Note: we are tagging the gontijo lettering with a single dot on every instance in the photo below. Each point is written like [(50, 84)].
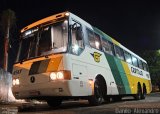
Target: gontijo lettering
[(137, 71)]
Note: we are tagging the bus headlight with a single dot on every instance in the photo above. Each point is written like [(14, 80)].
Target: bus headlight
[(53, 76), (16, 81), (60, 75)]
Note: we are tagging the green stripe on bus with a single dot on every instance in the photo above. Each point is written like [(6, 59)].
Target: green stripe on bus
[(105, 36), (116, 68), (123, 76), (116, 74)]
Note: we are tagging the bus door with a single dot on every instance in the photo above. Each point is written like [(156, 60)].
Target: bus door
[(79, 67)]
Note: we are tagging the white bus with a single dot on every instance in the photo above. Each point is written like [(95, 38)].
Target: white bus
[(62, 57)]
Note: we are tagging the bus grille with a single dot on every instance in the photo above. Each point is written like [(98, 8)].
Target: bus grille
[(39, 67)]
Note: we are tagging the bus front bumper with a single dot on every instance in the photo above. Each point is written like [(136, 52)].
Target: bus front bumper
[(40, 90)]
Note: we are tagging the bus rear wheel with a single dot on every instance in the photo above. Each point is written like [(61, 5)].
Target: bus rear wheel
[(138, 96), (144, 93), (54, 102), (98, 96), (116, 98)]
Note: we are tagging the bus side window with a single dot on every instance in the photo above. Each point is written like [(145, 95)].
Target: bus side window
[(77, 38), (134, 61), (127, 57), (107, 47), (94, 40), (140, 64), (97, 41), (119, 52), (145, 66)]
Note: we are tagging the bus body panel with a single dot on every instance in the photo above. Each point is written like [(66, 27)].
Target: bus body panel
[(121, 78)]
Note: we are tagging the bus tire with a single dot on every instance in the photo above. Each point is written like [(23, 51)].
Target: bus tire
[(54, 102), (98, 96), (144, 92), (116, 98), (138, 96)]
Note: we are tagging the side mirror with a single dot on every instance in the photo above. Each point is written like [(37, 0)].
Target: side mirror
[(79, 34)]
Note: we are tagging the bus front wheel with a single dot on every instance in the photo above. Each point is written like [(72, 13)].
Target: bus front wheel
[(144, 92), (54, 102), (98, 96)]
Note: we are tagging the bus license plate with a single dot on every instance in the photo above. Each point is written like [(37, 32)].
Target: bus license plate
[(34, 93)]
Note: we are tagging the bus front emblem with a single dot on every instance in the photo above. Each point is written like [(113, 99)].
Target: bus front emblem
[(32, 79)]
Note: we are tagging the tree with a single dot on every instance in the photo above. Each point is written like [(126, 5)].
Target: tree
[(153, 59), (8, 20)]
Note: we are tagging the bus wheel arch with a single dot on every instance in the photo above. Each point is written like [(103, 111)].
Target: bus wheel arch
[(100, 91), (103, 81)]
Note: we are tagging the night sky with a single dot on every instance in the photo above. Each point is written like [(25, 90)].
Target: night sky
[(134, 23)]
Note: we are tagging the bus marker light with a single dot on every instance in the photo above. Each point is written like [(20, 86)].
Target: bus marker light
[(67, 14), (90, 82)]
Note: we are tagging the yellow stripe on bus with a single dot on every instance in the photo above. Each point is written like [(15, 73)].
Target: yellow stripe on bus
[(115, 42), (133, 80)]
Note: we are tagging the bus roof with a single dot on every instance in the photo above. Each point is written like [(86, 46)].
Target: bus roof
[(45, 20), (105, 36), (66, 13)]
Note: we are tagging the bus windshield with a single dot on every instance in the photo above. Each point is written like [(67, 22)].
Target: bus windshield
[(44, 40)]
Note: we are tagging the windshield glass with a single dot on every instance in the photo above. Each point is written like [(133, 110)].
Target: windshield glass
[(43, 41)]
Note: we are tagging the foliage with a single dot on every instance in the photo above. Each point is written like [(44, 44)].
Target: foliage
[(153, 59), (8, 19)]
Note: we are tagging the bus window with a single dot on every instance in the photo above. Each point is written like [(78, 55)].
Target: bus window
[(134, 61), (145, 67), (140, 64), (127, 57), (107, 47), (45, 40), (77, 40), (94, 40), (119, 52), (97, 41)]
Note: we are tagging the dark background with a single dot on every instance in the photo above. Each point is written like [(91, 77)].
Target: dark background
[(134, 23)]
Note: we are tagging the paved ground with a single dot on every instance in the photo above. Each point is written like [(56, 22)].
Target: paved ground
[(127, 106)]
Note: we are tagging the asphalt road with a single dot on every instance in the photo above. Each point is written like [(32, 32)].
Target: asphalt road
[(151, 105)]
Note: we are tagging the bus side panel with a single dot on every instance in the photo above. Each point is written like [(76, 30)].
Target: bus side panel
[(118, 74), (84, 67), (133, 79)]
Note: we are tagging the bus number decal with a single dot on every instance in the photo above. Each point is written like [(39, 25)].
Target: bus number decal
[(96, 56)]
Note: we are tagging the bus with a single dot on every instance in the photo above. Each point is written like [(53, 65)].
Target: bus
[(63, 57)]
